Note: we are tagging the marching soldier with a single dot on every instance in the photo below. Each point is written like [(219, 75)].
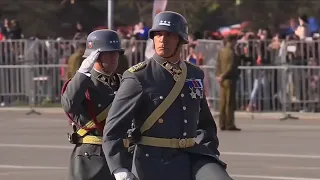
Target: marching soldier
[(175, 133), (227, 73), (86, 99)]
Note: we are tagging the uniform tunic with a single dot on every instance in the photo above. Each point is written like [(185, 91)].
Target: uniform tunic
[(87, 161), (143, 90)]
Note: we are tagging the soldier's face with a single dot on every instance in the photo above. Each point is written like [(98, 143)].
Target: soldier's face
[(165, 43), (109, 61)]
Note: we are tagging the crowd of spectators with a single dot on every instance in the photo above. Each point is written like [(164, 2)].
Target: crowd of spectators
[(260, 48)]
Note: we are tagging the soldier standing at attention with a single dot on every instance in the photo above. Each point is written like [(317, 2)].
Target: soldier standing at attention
[(227, 73), (75, 60), (86, 99), (175, 133)]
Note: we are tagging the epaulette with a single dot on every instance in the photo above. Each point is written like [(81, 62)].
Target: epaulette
[(137, 67)]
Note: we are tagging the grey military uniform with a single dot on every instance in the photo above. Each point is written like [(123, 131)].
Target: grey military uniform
[(87, 161), (138, 96)]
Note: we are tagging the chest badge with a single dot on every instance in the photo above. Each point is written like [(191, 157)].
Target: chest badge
[(196, 88), (193, 94)]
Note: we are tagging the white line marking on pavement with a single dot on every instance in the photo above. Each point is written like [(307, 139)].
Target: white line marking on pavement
[(36, 146), (298, 156), (277, 126), (294, 168), (5, 166), (271, 155), (271, 177)]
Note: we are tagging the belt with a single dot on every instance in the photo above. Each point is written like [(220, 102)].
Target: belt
[(167, 143), (97, 140), (90, 140)]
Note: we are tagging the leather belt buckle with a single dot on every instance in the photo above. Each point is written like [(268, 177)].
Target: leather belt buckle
[(182, 143)]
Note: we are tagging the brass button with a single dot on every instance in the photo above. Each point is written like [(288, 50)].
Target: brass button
[(160, 120), (182, 143)]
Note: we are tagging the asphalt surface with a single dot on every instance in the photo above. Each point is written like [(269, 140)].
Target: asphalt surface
[(34, 147)]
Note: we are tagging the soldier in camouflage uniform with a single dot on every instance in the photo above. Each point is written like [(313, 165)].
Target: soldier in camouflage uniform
[(175, 133), (86, 99)]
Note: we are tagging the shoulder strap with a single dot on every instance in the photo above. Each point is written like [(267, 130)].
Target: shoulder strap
[(91, 124), (166, 103), (95, 119)]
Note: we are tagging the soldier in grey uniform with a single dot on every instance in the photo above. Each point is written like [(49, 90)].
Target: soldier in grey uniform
[(175, 133), (86, 99)]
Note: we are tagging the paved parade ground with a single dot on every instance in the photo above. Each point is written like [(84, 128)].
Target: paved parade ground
[(35, 147)]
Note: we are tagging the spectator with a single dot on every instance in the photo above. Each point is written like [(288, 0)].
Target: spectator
[(192, 57), (303, 29), (141, 31), (15, 30), (2, 37), (6, 28), (80, 33)]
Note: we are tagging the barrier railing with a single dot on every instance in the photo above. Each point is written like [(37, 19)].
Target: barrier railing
[(32, 73), (259, 88), (30, 85), (271, 88), (17, 52)]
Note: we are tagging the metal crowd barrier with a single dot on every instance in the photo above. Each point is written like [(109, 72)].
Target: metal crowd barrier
[(267, 88), (30, 85), (32, 72), (18, 52), (284, 89)]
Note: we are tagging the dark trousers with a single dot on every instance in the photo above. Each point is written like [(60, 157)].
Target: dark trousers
[(205, 168), (186, 166)]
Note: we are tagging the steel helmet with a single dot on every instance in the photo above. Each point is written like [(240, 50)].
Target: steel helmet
[(104, 40), (171, 22)]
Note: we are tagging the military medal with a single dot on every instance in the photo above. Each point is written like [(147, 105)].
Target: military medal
[(176, 77), (168, 66), (199, 93), (193, 94)]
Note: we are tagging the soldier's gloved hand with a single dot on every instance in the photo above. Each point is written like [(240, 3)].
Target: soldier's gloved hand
[(88, 63), (124, 174)]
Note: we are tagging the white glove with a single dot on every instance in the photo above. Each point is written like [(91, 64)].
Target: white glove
[(88, 63), (123, 174)]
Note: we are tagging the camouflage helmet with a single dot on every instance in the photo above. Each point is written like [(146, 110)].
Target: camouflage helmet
[(105, 40), (171, 22)]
